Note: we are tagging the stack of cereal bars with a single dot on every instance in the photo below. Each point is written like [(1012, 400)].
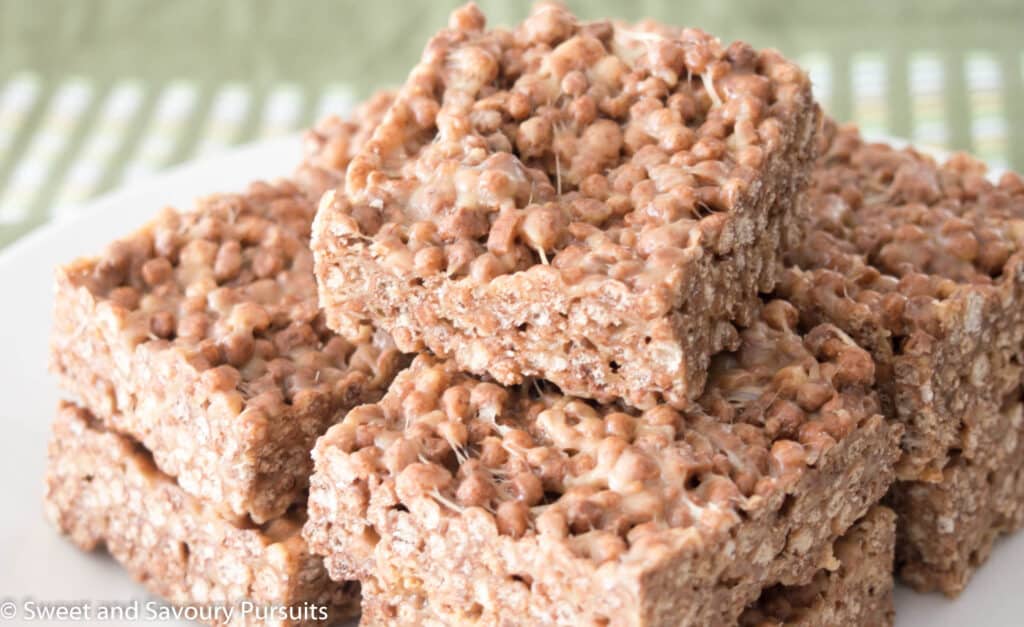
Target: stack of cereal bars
[(204, 373), (595, 323)]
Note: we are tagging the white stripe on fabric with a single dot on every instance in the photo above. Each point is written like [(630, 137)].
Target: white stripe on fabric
[(16, 101), (335, 99), (820, 71), (985, 98), (33, 171), (101, 145), (281, 110), (927, 102), (868, 77), (174, 109), (223, 128)]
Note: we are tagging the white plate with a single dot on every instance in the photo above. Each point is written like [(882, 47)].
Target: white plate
[(38, 564)]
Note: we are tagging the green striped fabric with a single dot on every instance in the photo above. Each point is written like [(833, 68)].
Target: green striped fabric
[(64, 143), (132, 103)]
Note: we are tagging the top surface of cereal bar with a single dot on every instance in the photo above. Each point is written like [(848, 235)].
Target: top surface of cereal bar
[(230, 286), (909, 232), (613, 480), (595, 148), (328, 146), (230, 281), (922, 264)]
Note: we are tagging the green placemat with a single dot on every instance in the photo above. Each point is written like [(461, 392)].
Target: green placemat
[(94, 93)]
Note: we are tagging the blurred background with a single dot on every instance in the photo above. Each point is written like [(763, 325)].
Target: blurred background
[(96, 93)]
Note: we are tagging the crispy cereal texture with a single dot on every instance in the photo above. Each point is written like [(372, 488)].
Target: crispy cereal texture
[(947, 528), (486, 502), (923, 265), (594, 204), (328, 146), (200, 335), (102, 489), (857, 591)]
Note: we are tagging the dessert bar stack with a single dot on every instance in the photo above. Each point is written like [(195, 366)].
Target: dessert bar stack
[(571, 224), (588, 323), (923, 265), (676, 517), (594, 204), (203, 374)]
